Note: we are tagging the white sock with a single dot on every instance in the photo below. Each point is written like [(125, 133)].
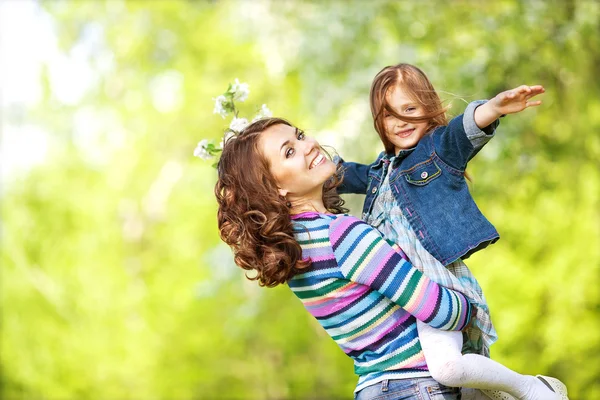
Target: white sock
[(449, 367)]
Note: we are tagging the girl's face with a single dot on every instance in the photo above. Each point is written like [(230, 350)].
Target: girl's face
[(296, 162), (403, 135)]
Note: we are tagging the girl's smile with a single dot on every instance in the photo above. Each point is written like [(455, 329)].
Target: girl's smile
[(405, 133)]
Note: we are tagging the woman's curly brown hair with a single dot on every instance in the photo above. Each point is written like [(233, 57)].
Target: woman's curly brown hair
[(253, 218)]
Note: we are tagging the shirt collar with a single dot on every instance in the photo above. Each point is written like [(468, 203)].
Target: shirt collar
[(395, 159)]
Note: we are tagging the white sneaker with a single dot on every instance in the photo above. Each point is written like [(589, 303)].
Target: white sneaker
[(497, 395), (555, 385)]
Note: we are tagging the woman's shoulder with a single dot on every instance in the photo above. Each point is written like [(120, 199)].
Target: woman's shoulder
[(342, 224), (314, 218), (315, 215)]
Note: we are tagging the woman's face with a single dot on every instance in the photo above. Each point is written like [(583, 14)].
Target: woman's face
[(296, 162)]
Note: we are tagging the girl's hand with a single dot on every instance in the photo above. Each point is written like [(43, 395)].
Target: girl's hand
[(516, 100)]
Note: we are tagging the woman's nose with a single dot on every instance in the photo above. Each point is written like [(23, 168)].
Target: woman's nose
[(310, 145)]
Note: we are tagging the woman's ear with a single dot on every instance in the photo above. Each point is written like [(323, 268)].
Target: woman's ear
[(282, 192)]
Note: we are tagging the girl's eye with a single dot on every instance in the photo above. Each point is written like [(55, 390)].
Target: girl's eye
[(410, 109), (300, 135), (289, 152)]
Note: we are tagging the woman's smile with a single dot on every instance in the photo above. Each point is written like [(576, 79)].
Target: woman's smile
[(318, 160)]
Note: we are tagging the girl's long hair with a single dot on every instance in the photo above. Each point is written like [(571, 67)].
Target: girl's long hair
[(253, 219), (416, 84)]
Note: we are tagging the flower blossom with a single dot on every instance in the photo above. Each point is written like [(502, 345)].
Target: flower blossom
[(202, 150), (239, 90), (219, 108), (238, 124), (264, 112)]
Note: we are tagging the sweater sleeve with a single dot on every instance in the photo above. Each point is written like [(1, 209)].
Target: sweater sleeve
[(365, 257)]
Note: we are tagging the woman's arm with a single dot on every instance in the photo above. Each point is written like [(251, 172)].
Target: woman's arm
[(365, 257)]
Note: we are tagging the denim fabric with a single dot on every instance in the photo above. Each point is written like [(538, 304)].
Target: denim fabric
[(405, 389), (429, 185)]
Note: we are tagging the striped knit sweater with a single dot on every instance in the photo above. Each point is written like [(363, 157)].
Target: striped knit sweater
[(366, 295)]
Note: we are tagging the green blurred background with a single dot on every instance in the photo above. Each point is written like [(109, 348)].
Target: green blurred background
[(114, 282)]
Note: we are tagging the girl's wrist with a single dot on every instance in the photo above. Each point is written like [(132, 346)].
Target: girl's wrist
[(496, 109), (486, 113)]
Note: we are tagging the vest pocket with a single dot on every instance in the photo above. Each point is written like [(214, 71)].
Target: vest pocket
[(423, 174)]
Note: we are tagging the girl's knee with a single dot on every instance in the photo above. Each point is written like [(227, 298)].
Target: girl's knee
[(448, 373)]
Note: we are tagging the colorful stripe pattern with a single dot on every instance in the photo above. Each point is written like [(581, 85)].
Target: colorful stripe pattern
[(367, 295)]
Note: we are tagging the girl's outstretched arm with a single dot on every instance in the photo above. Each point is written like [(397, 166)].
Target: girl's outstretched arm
[(508, 102)]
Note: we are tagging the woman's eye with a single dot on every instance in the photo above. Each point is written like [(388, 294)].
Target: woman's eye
[(301, 135), (289, 152)]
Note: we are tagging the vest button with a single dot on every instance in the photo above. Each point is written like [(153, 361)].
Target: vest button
[(374, 190), (424, 174)]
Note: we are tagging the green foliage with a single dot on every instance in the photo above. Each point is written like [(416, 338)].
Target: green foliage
[(114, 281)]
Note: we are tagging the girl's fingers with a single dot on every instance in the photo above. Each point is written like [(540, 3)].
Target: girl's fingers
[(538, 88), (533, 103), (522, 93), (534, 92)]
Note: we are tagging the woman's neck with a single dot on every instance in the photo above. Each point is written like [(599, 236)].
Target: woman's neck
[(300, 206)]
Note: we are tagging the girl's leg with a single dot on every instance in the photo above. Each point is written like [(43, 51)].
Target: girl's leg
[(449, 367)]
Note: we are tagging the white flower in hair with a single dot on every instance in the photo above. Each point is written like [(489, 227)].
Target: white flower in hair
[(229, 135), (239, 90), (238, 124), (264, 112), (202, 150), (219, 106), (225, 105)]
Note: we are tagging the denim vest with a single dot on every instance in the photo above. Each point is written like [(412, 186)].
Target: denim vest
[(428, 183)]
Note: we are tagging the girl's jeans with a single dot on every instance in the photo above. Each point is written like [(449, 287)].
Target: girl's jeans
[(408, 389)]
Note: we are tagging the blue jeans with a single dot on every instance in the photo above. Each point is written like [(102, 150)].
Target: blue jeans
[(408, 389)]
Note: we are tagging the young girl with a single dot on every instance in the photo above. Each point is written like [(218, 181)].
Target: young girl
[(417, 197)]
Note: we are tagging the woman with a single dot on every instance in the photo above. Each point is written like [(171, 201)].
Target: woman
[(280, 213)]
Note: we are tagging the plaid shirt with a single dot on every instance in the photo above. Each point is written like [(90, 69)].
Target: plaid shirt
[(387, 217)]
